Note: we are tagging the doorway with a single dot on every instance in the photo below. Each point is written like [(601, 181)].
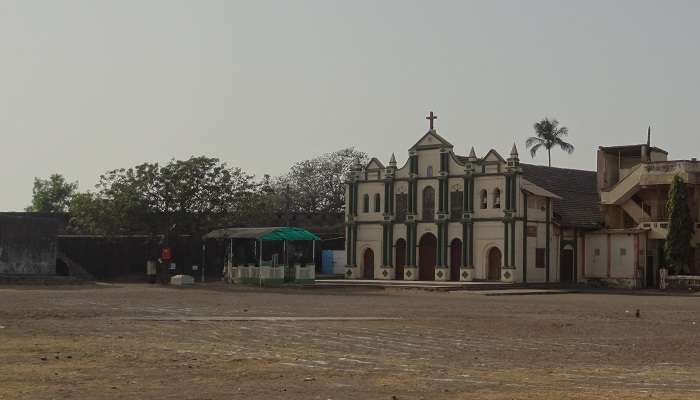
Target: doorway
[(494, 264), (427, 252), (368, 264), (400, 258), (455, 259), (566, 266)]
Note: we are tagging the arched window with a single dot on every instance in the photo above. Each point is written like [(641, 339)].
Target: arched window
[(377, 203), (365, 203), (429, 172), (484, 199), (496, 198), (428, 203)]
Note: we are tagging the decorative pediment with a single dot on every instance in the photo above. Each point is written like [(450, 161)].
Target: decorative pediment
[(431, 140), (493, 156), (374, 163)]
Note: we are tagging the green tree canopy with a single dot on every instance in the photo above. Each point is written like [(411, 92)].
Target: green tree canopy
[(52, 195), (318, 185), (190, 195), (548, 134), (195, 195), (680, 227)]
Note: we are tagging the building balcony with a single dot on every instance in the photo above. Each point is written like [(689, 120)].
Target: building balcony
[(650, 174), (658, 228)]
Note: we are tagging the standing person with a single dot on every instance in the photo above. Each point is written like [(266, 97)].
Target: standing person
[(151, 271), (166, 256)]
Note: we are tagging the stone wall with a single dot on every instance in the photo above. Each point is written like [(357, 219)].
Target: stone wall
[(28, 243)]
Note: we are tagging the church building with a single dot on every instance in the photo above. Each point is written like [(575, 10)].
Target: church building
[(443, 216)]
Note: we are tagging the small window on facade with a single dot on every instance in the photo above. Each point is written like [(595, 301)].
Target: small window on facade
[(532, 231), (596, 252), (428, 203), (484, 198), (429, 172), (456, 199), (365, 203), (539, 258), (623, 252), (377, 203), (401, 206), (496, 198)]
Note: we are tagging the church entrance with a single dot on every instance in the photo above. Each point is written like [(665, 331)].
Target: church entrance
[(566, 266), (455, 259), (400, 252), (427, 252), (494, 264), (368, 264)]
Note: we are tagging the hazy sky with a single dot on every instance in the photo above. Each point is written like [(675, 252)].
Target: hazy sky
[(88, 86)]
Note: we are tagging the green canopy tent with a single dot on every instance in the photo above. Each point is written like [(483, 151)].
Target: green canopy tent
[(260, 235), (275, 233)]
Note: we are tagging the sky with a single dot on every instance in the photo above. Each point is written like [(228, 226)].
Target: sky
[(90, 86)]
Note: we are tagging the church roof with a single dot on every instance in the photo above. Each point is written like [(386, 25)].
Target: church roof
[(579, 203), (536, 190)]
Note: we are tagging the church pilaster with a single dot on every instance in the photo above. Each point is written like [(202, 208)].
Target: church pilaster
[(512, 167)]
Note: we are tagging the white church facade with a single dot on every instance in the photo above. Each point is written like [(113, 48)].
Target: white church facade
[(445, 217)]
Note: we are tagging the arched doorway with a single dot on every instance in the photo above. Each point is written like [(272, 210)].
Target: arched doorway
[(494, 264), (368, 264), (455, 259), (566, 265), (400, 262), (427, 251)]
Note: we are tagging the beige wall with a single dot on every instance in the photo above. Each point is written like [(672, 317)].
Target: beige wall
[(614, 255), (370, 188)]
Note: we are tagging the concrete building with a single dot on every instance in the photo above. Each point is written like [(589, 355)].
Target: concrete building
[(634, 182), (443, 216)]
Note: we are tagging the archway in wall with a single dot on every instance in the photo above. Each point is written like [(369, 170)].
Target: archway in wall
[(427, 257), (400, 261), (494, 264), (368, 264), (455, 259)]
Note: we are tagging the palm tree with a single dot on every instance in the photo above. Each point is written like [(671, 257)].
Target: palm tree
[(549, 135)]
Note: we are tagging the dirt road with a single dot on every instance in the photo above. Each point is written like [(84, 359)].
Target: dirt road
[(139, 341)]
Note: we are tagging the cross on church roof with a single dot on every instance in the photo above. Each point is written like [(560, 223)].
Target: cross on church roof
[(431, 117)]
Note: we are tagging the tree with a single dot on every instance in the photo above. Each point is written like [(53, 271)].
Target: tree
[(52, 195), (317, 185), (191, 195), (548, 135), (680, 227)]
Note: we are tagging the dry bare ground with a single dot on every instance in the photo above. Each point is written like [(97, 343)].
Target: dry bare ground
[(97, 342)]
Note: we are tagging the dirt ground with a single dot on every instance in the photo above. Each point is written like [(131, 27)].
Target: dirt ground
[(97, 342)]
